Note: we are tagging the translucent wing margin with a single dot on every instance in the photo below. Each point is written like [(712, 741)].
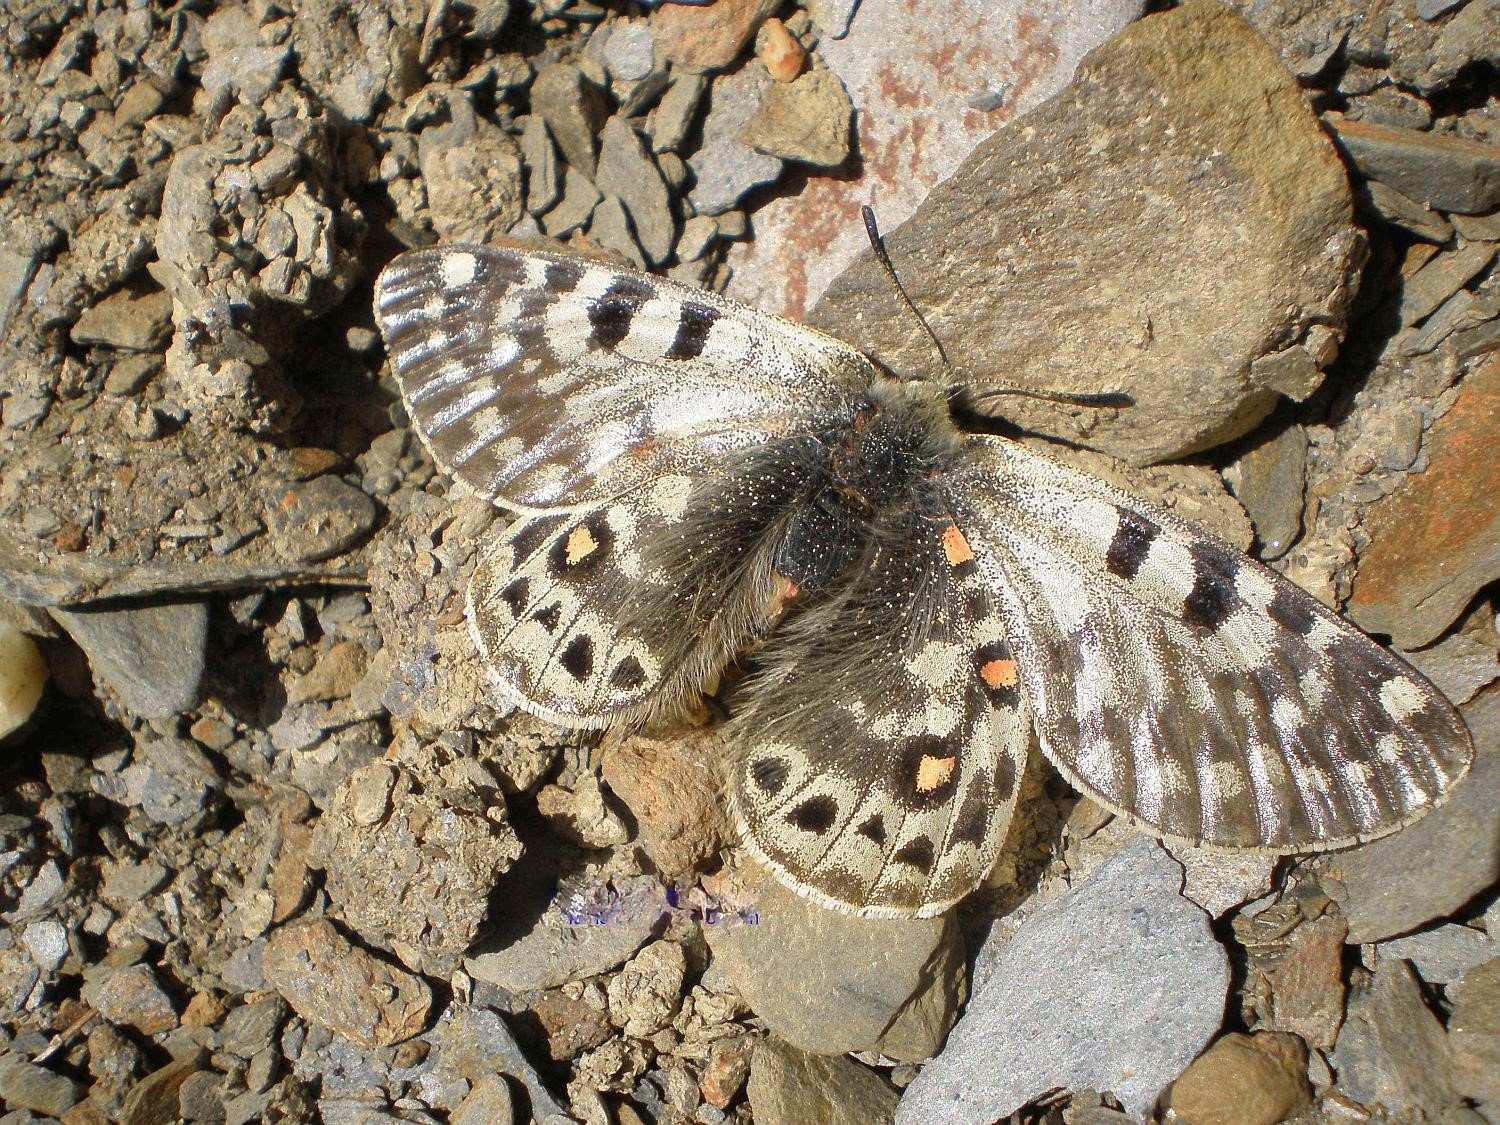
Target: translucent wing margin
[(1178, 681), (546, 381)]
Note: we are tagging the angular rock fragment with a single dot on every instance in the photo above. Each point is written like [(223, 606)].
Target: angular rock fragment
[(1162, 253), (1123, 947)]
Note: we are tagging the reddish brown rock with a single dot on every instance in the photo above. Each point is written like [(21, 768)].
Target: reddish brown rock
[(707, 36), (573, 1026), (1307, 988), (133, 997), (1435, 541), (728, 1067), (671, 787), (331, 983)]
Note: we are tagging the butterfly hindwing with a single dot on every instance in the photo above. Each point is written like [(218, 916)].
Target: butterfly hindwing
[(548, 380), (879, 747), (1178, 681)]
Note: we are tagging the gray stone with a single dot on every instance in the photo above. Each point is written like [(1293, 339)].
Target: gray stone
[(611, 228), (47, 942), (555, 951), (472, 172), (1434, 867), (915, 126), (629, 49), (789, 1087), (319, 519), (251, 72), (1446, 172), (45, 888), (543, 181), (829, 982), (1440, 278), (475, 1042), (1120, 270), (1404, 212), (669, 122), (24, 1085), (150, 656), (17, 266), (724, 167), (832, 16), (574, 111), (1474, 1033), (627, 172), (1392, 1050), (1219, 881), (1461, 664), (806, 120), (1442, 955), (580, 197), (1114, 987), (200, 1098), (1269, 480)]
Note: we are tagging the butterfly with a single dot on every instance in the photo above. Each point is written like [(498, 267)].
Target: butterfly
[(697, 483)]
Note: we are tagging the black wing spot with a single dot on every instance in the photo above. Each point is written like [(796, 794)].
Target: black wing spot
[(549, 617), (1130, 545), (973, 819), (610, 315), (769, 774), (873, 829), (918, 853), (563, 277), (1212, 600), (531, 535), (815, 815), (516, 596), (693, 324), (1291, 610), (577, 657), (530, 325), (1005, 779), (628, 674)]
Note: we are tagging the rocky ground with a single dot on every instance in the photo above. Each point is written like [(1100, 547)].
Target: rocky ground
[(268, 849)]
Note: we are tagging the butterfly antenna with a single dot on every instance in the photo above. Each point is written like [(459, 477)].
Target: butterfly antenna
[(1102, 398), (877, 244)]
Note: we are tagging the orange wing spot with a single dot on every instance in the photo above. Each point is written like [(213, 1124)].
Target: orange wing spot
[(999, 673), (581, 544), (934, 772), (786, 590), (643, 448), (955, 546)]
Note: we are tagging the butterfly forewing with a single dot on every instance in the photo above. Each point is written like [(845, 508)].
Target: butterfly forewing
[(1178, 681), (547, 380)]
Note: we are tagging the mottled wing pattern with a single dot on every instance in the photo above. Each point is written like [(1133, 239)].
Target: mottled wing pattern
[(1178, 681), (879, 748), (547, 605), (547, 381)]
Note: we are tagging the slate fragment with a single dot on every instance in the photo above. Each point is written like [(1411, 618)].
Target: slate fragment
[(151, 655), (1123, 947), (830, 982)]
